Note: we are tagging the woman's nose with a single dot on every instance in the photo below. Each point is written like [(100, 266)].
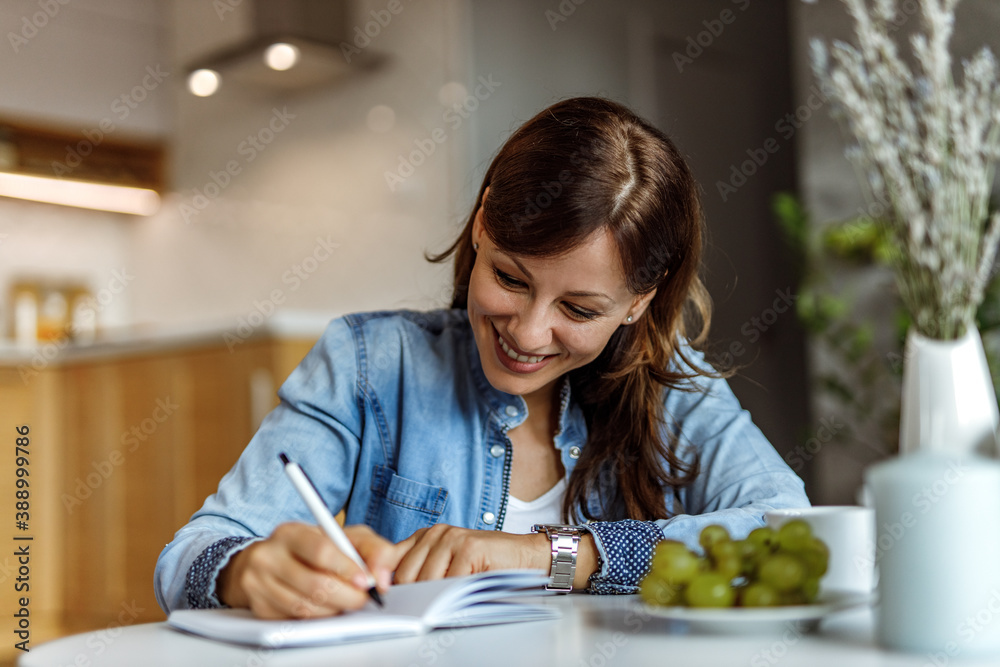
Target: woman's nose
[(530, 329)]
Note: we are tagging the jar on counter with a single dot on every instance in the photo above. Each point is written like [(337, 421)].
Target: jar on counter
[(53, 315), (82, 315), (24, 313)]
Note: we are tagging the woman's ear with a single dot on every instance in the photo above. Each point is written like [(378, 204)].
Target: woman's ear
[(640, 304), (478, 229)]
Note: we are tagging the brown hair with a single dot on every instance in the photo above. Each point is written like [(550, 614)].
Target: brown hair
[(582, 165)]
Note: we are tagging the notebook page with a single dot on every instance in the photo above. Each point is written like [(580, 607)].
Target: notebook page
[(410, 609), (469, 602), (436, 600), (238, 626)]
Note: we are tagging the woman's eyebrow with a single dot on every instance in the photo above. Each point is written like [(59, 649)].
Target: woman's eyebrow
[(577, 293)]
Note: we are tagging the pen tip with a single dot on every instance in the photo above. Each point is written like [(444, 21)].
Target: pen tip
[(284, 459), (373, 592)]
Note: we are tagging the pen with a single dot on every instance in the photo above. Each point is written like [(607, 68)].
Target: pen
[(310, 494)]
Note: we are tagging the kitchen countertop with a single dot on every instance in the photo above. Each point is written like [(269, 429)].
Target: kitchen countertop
[(146, 339)]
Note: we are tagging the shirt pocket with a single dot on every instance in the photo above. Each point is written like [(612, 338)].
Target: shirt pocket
[(401, 506)]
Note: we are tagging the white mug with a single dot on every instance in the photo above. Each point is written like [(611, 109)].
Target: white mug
[(849, 533), (939, 553)]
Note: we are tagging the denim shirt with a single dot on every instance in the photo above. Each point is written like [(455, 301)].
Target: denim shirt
[(392, 416)]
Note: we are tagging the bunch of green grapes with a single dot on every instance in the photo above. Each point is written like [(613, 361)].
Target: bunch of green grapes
[(769, 568)]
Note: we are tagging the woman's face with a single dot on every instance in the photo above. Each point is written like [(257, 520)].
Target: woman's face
[(535, 319)]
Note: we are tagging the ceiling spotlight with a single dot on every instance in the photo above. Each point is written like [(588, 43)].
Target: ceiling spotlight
[(204, 82), (281, 56)]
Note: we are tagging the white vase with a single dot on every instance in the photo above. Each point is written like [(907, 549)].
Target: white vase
[(948, 400)]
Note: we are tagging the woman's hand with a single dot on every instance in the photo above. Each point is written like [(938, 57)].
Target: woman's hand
[(298, 572), (449, 551)]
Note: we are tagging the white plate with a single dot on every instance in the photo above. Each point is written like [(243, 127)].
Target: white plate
[(742, 620)]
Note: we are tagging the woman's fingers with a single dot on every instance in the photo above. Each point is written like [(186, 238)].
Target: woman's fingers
[(380, 555), (429, 553), (463, 563), (273, 598), (296, 573), (403, 565), (320, 590), (405, 545), (451, 551), (312, 546), (414, 550), (440, 552)]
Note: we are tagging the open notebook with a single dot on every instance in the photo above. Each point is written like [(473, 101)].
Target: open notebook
[(410, 609)]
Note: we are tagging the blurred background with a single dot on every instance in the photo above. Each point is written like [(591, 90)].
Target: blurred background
[(143, 347)]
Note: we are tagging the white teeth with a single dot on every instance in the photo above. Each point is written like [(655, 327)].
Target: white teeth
[(515, 356)]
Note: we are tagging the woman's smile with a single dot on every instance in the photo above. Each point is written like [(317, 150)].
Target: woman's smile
[(513, 359)]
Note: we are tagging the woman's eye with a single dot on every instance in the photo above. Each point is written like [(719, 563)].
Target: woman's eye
[(511, 282), (581, 313), (506, 279)]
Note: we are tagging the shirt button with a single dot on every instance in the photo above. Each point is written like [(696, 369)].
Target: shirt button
[(574, 452), (496, 451), (489, 518), (511, 410)]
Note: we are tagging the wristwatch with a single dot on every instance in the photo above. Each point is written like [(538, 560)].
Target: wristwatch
[(565, 542)]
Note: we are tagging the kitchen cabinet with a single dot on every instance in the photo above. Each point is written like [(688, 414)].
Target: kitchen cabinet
[(125, 446)]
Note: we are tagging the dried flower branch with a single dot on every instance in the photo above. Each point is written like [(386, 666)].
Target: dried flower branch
[(927, 147)]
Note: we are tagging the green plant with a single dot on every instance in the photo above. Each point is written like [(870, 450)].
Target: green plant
[(861, 374)]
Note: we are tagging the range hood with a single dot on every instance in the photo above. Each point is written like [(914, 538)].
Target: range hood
[(318, 32)]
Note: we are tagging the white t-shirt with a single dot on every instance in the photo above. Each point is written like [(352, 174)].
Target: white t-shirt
[(546, 508)]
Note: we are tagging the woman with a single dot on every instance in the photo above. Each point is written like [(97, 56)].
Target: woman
[(562, 386)]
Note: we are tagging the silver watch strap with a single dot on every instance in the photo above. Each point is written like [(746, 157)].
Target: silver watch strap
[(565, 542)]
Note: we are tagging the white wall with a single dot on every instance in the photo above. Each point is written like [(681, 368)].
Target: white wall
[(85, 56), (322, 176), (70, 73)]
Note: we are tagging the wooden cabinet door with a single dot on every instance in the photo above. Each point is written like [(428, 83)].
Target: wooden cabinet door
[(137, 444)]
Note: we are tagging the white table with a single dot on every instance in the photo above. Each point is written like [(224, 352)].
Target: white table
[(594, 631)]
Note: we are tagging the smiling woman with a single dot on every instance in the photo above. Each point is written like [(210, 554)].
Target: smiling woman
[(563, 385), (612, 210)]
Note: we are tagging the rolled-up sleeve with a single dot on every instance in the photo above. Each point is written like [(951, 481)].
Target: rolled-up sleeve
[(199, 586), (318, 421)]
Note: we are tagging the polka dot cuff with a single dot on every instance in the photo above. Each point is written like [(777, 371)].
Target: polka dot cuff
[(624, 549), (199, 586)]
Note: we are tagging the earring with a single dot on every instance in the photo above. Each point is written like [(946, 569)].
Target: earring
[(628, 319), (475, 246)]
